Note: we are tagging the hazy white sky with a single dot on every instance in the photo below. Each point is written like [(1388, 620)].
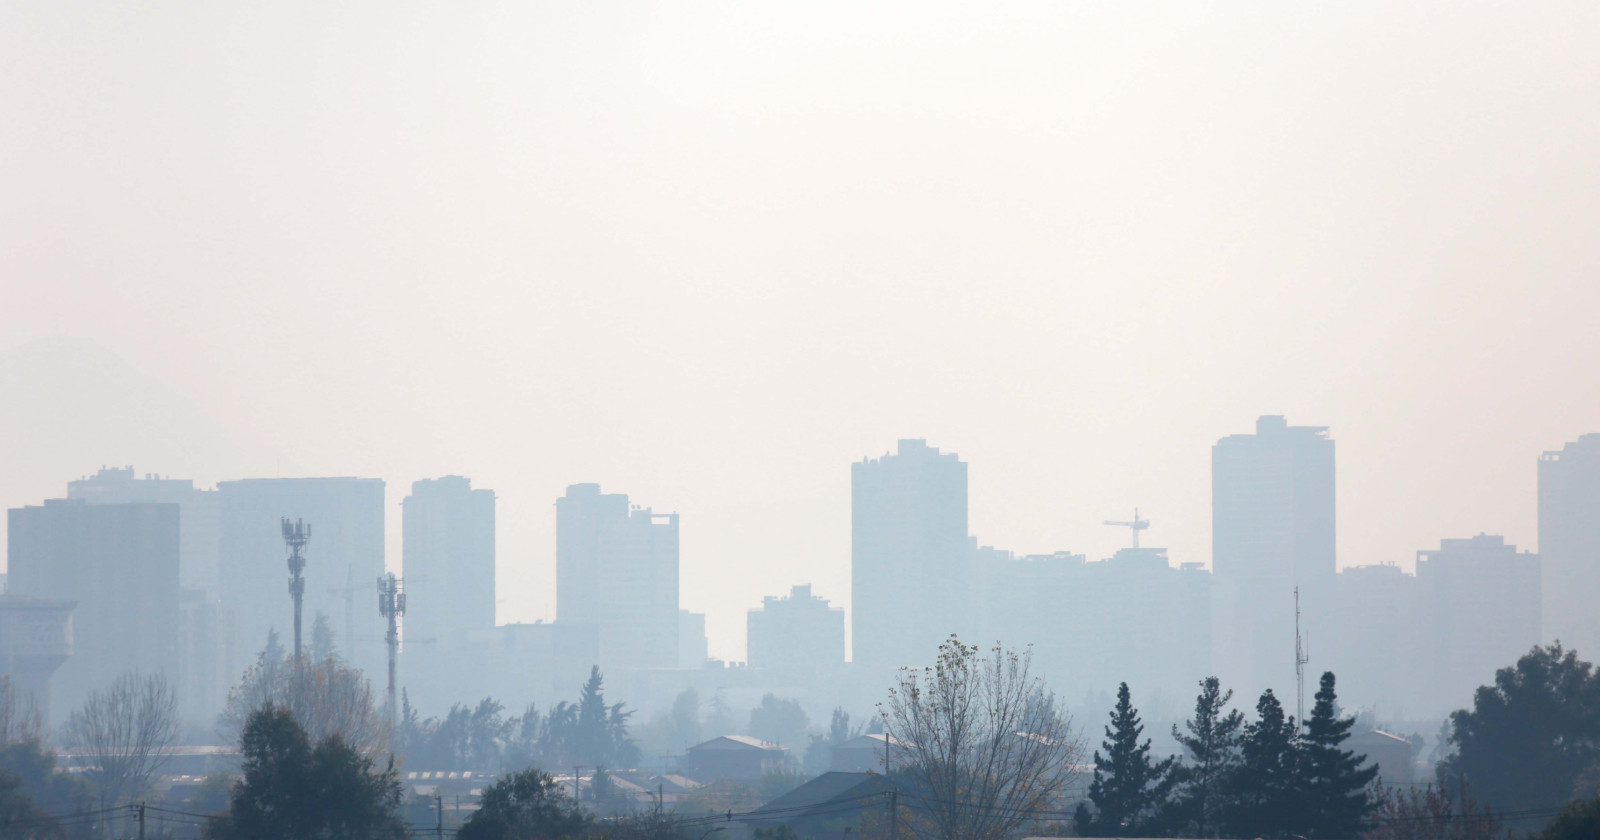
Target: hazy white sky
[(709, 254)]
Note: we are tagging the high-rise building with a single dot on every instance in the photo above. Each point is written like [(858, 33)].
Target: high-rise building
[(1133, 617), (909, 571), (119, 564), (343, 561), (197, 515), (617, 570), (1480, 599), (205, 631), (1569, 543), (207, 651), (799, 635), (448, 558), (448, 561), (1378, 651), (693, 648), (1272, 531)]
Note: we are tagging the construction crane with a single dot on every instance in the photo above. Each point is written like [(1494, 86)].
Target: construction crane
[(1135, 526)]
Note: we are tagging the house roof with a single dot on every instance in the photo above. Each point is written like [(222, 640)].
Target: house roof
[(734, 742), (828, 787), (872, 741), (675, 783)]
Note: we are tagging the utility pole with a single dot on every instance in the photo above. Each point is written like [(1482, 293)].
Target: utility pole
[(577, 779), (138, 809), (295, 536), (392, 605), (894, 814), (438, 799)]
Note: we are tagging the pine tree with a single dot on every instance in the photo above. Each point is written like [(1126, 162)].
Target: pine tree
[(1264, 796), (1127, 785), (1332, 779), (1213, 745)]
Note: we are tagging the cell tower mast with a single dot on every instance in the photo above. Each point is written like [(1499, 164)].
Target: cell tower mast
[(392, 605), (295, 536), (1302, 655)]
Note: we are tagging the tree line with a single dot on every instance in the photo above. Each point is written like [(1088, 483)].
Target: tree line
[(1266, 777)]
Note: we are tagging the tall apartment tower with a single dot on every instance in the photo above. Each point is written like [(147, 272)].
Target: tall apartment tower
[(617, 572), (119, 564), (344, 560), (448, 559), (799, 635), (909, 571), (197, 516), (1480, 598), (1569, 543), (1272, 530), (206, 644)]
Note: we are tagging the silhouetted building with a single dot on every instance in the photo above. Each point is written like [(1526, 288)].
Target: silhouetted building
[(693, 648), (1272, 530), (207, 646), (448, 557), (1132, 617), (119, 563), (1480, 597), (617, 570), (798, 635), (734, 757), (343, 561), (35, 641), (1569, 543), (207, 650), (1378, 650), (909, 573), (197, 516)]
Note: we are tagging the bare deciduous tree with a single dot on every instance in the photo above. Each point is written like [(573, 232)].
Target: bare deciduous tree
[(984, 745), (327, 698), (124, 731), (19, 714)]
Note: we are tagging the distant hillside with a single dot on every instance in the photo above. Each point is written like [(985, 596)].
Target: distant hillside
[(69, 406)]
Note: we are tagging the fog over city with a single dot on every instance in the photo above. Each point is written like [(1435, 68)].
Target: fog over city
[(623, 324)]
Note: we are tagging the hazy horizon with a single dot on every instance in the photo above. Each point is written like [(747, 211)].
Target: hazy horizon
[(709, 256)]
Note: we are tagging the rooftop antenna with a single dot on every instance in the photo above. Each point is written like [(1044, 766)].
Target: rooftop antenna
[(1135, 526), (392, 605), (1302, 655), (295, 536)]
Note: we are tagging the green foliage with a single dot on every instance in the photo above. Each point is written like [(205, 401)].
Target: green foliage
[(1529, 736), (482, 738), (779, 720), (1578, 821), (323, 647), (20, 818), (294, 789), (1266, 796), (34, 768), (1212, 744), (523, 806), (1128, 788), (1333, 782)]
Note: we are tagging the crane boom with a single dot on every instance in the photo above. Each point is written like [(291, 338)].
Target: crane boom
[(1135, 526)]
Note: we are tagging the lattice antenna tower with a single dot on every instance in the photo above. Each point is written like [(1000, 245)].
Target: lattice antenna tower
[(295, 536), (1302, 655), (392, 605)]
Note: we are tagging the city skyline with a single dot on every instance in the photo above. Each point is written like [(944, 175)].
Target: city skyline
[(1074, 243), (112, 485)]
